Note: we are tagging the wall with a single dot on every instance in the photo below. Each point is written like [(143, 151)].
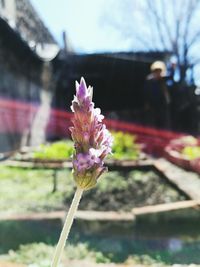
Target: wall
[(19, 75)]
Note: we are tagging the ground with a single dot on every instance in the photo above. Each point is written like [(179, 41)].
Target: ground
[(10, 264), (74, 264), (31, 190), (89, 264)]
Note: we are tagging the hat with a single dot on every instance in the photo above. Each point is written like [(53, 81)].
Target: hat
[(159, 65)]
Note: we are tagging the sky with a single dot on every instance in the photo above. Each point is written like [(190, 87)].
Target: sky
[(89, 25), (82, 21)]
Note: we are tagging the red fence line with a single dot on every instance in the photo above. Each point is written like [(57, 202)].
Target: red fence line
[(17, 116)]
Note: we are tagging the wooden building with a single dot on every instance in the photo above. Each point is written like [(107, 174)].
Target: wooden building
[(26, 50), (22, 35), (118, 80)]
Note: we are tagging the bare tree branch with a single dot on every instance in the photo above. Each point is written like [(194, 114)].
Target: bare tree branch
[(165, 23), (191, 9), (195, 62), (169, 26), (158, 22), (195, 38)]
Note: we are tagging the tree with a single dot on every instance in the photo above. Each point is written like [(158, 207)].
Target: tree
[(168, 25)]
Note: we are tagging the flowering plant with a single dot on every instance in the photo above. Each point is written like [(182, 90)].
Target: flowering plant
[(92, 142)]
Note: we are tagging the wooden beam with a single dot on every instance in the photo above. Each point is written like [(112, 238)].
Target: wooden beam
[(37, 164), (105, 216), (33, 216), (81, 214), (165, 207), (90, 215)]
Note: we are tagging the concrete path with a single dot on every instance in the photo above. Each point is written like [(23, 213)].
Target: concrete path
[(185, 181)]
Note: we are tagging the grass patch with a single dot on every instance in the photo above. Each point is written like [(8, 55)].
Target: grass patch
[(24, 190)]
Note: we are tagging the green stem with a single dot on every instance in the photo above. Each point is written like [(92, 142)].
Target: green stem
[(67, 226)]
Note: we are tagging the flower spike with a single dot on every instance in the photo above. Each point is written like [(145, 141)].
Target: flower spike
[(92, 140)]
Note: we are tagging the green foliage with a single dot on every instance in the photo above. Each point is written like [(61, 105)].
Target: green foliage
[(57, 150), (145, 260), (40, 254), (125, 146), (191, 152), (82, 251)]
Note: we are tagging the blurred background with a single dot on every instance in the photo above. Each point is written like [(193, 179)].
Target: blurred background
[(142, 58)]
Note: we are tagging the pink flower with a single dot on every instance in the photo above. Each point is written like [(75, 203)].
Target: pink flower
[(92, 140)]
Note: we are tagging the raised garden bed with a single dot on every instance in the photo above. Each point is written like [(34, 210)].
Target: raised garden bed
[(181, 152), (126, 187), (115, 191)]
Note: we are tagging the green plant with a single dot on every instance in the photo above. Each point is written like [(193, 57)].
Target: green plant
[(38, 254), (28, 190), (145, 260), (191, 152), (57, 150), (125, 146)]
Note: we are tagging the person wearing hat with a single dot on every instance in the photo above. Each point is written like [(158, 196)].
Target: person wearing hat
[(157, 97)]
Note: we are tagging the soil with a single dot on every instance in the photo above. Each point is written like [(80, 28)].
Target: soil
[(10, 264), (126, 191), (72, 264), (85, 263)]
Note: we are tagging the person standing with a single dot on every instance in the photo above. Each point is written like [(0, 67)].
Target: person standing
[(157, 96)]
